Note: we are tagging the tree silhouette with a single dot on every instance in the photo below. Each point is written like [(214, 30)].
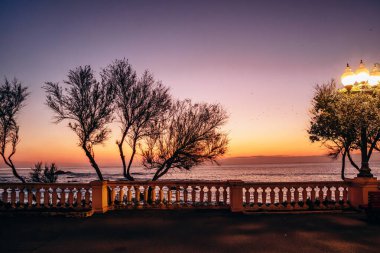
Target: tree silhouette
[(12, 97), (189, 135), (346, 122), (139, 103), (87, 105)]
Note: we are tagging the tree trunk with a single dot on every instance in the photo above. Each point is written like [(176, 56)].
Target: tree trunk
[(130, 162), (93, 163), (365, 171), (343, 164), (352, 161), (14, 171), (162, 171), (126, 169), (122, 157)]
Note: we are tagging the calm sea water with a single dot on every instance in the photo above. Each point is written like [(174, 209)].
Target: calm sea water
[(251, 173)]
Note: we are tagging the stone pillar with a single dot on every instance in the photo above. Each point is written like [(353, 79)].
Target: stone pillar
[(99, 196), (358, 189), (236, 195)]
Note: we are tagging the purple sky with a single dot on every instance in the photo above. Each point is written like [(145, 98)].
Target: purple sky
[(260, 59)]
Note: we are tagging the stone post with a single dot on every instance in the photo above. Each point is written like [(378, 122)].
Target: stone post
[(358, 190), (99, 196), (236, 195)]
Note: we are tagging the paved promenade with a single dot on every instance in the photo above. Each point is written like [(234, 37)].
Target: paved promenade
[(190, 231)]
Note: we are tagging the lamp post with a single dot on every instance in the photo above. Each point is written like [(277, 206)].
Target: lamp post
[(362, 80)]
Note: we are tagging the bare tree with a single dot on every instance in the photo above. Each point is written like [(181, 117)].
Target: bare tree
[(139, 103), (12, 97), (87, 105), (189, 136)]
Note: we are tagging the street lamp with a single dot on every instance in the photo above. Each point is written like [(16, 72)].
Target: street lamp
[(362, 80)]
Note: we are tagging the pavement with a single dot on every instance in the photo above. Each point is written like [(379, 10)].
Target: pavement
[(190, 231)]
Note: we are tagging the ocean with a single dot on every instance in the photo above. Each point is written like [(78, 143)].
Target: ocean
[(288, 172)]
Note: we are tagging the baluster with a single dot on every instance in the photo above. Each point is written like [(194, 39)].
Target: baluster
[(185, 195), (296, 196), (38, 197), (70, 198), (277, 192), (129, 195), (320, 194), (264, 197), (345, 195), (217, 195), (178, 195), (87, 200), (137, 195), (255, 197), (247, 196), (312, 194), (13, 198), (79, 197), (54, 197), (21, 197), (288, 196), (112, 195), (201, 195), (63, 197), (46, 198), (228, 195), (209, 195), (193, 194), (5, 196), (153, 194), (223, 195), (30, 197), (337, 195), (304, 194), (272, 196), (329, 194), (281, 195), (121, 195), (146, 195), (161, 195), (169, 192)]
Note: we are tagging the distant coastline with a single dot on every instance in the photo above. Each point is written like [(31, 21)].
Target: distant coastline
[(245, 160), (238, 160)]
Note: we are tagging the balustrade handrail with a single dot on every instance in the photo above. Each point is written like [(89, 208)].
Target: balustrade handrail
[(298, 184), (42, 185), (181, 183), (168, 182)]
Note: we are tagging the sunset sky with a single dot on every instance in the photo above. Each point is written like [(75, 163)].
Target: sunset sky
[(260, 59)]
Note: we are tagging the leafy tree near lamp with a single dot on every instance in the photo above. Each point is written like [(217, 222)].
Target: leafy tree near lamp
[(345, 123)]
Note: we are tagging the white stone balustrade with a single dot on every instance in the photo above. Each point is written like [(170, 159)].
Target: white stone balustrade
[(295, 195), (169, 194), (46, 196), (235, 195)]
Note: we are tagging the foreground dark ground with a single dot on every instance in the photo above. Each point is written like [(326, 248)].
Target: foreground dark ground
[(190, 231)]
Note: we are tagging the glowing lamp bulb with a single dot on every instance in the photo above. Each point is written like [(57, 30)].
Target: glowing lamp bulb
[(374, 78), (362, 73), (348, 78)]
